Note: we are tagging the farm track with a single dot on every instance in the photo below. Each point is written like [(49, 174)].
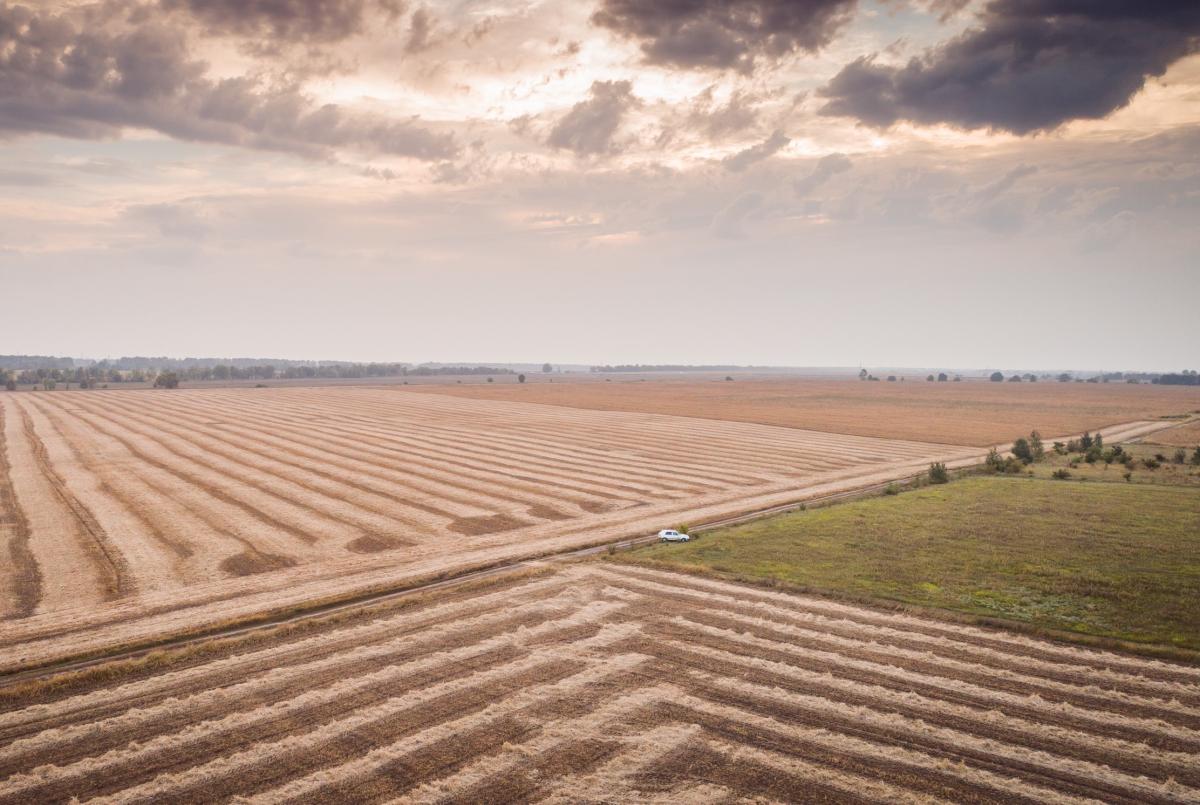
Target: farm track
[(187, 505), (600, 680)]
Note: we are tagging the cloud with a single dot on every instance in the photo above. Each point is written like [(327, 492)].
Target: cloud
[(588, 129), (728, 222), (723, 34), (420, 31), (1031, 65), (826, 168), (287, 20), (736, 115), (757, 153), (86, 82), (172, 220)]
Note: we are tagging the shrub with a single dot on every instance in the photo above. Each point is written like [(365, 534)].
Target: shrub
[(1022, 450), (1060, 448), (930, 378), (1128, 476), (1098, 440), (1061, 474), (520, 378), (1085, 441), (996, 377), (942, 377), (1160, 458), (1180, 456), (993, 462), (10, 384), (491, 380), (1091, 456), (728, 378), (938, 473), (1073, 446), (1196, 457), (1150, 463), (1036, 448), (167, 380), (891, 489)]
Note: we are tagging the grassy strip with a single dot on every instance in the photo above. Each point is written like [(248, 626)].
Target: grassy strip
[(156, 661), (1109, 563)]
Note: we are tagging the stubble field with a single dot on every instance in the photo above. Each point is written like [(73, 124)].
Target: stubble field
[(130, 514), (971, 412), (599, 682)]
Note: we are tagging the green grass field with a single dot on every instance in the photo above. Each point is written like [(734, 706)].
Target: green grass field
[(1116, 560)]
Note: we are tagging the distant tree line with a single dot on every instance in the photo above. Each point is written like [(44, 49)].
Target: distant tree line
[(104, 373), (670, 367)]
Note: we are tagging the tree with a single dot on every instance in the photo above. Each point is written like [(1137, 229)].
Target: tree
[(490, 380), (996, 377), (10, 384), (1065, 377), (547, 368), (929, 379), (943, 377), (1023, 451), (938, 473), (862, 374), (1036, 448), (167, 380), (1196, 457), (1098, 440), (994, 462), (520, 378), (1180, 456), (1086, 441), (1015, 379)]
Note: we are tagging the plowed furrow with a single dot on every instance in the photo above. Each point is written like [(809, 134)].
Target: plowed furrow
[(1044, 734), (1035, 656), (109, 563), (23, 574)]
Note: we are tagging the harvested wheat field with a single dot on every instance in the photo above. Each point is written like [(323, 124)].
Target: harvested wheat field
[(972, 412), (600, 682), (131, 515)]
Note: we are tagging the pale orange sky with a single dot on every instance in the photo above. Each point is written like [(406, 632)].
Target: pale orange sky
[(806, 182)]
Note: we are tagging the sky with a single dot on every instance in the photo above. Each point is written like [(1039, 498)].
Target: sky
[(1009, 183)]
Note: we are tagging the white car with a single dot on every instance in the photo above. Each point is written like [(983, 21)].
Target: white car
[(671, 535)]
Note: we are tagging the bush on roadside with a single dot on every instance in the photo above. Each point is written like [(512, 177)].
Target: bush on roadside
[(1023, 451), (1036, 448), (938, 473), (891, 489), (1061, 474)]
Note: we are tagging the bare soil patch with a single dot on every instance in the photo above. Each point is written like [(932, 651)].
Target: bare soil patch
[(970, 412)]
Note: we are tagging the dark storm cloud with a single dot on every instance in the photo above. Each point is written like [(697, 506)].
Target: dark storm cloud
[(309, 20), (723, 34), (78, 82), (588, 129), (1031, 65)]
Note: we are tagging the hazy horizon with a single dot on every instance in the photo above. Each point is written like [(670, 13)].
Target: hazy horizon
[(827, 182)]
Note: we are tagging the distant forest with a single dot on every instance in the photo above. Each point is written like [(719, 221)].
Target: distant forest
[(672, 367), (49, 371)]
